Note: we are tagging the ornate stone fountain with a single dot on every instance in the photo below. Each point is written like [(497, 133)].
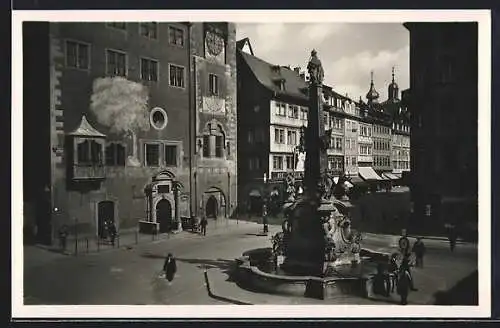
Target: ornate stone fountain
[(321, 256)]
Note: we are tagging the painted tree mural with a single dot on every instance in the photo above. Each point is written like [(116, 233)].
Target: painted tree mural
[(121, 105)]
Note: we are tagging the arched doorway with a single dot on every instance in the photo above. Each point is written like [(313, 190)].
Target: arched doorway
[(105, 213), (164, 215), (212, 208)]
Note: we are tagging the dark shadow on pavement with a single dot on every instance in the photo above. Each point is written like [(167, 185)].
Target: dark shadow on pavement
[(465, 292), (152, 255), (221, 298), (225, 266), (257, 234)]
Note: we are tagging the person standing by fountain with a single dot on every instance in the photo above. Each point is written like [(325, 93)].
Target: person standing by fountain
[(419, 250), (404, 281)]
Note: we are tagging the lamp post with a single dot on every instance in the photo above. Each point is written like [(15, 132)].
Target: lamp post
[(264, 206)]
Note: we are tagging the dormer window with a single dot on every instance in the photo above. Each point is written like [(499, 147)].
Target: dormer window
[(276, 68), (280, 84)]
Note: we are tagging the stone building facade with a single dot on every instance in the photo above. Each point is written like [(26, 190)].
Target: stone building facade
[(443, 103), (155, 173)]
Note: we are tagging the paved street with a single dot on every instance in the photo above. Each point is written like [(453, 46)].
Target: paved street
[(130, 276)]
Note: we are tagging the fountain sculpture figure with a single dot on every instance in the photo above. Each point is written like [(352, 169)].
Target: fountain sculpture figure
[(316, 235), (316, 249)]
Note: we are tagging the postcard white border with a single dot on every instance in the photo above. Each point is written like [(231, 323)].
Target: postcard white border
[(259, 311)]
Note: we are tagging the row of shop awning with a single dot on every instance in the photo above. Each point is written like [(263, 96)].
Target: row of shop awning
[(365, 174)]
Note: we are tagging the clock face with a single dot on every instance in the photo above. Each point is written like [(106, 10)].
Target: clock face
[(215, 43)]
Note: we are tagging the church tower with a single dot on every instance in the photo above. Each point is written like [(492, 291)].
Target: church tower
[(372, 94)]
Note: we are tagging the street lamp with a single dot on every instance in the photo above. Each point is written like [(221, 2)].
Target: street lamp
[(264, 206)]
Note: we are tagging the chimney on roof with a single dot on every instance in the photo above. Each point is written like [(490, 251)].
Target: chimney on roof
[(297, 70)]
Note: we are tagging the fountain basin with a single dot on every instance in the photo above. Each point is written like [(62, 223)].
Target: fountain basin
[(255, 271)]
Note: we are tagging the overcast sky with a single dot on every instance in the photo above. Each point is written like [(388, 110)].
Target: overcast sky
[(348, 51)]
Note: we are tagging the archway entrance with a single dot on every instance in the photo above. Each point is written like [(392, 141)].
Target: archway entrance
[(212, 208), (105, 214), (164, 215)]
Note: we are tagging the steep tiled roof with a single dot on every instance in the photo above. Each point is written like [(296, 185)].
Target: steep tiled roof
[(86, 130), (267, 74)]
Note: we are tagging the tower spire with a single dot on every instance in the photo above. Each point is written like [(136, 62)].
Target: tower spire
[(393, 89), (372, 94)]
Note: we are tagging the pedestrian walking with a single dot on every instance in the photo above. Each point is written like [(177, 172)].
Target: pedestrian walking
[(105, 230), (63, 237), (112, 232), (404, 283), (419, 250), (405, 266), (452, 236), (393, 272), (170, 268), (203, 225), (264, 219)]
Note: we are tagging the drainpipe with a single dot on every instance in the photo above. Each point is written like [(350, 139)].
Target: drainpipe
[(190, 118)]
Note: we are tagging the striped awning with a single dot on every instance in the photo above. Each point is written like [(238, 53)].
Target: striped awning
[(390, 176), (255, 193), (369, 174)]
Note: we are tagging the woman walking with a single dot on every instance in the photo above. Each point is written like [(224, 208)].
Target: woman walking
[(170, 268)]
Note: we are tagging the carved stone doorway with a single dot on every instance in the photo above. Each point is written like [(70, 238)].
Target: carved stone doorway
[(164, 215), (212, 208), (105, 214)]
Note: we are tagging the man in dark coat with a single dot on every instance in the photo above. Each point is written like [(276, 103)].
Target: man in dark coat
[(170, 267), (63, 236), (404, 282), (112, 232), (452, 236), (203, 225), (419, 250)]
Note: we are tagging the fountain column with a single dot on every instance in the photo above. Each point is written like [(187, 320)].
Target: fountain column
[(306, 246)]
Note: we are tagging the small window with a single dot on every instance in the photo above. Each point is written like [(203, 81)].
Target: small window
[(289, 162), (77, 55), (219, 146), (89, 152), (170, 155), (163, 189), (250, 136), (117, 25), (158, 118), (116, 63), (152, 154), (149, 70), (115, 155), (149, 30), (176, 36), (206, 146), (278, 162), (213, 84), (176, 76)]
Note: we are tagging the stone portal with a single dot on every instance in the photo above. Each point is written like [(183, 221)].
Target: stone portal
[(163, 201)]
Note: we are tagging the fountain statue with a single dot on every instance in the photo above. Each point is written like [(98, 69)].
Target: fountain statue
[(318, 235), (317, 247)]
